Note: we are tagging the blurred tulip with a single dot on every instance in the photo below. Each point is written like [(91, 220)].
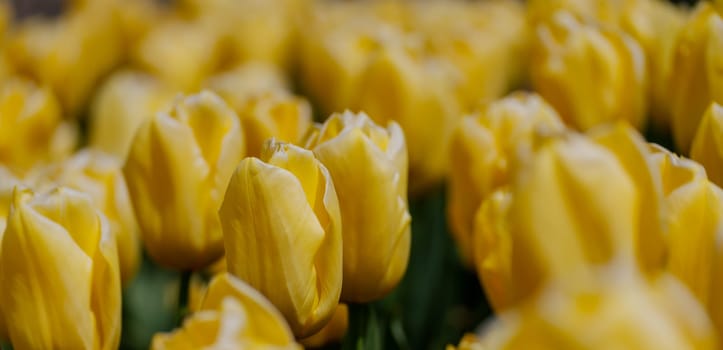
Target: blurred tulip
[(247, 80), (601, 11), (282, 232), (481, 148), (181, 53), (696, 82), (59, 271), (468, 342), (715, 309), (32, 129), (69, 54), (694, 219), (122, 104), (707, 146), (233, 316), (591, 75), (100, 176), (540, 233), (333, 332), (629, 313), (177, 171), (367, 160)]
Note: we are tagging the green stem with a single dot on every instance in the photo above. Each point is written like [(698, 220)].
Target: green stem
[(185, 281), (365, 330)]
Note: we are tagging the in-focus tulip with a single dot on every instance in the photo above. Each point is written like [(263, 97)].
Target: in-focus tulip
[(590, 74), (694, 220), (180, 53), (177, 171), (100, 176), (697, 78), (622, 313), (481, 150), (282, 232), (123, 103), (333, 332), (549, 233), (32, 129), (70, 54), (59, 272), (233, 316), (368, 161), (707, 146)]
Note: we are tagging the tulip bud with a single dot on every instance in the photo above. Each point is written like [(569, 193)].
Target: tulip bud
[(549, 234), (697, 73), (481, 148), (124, 101), (707, 146), (182, 54), (100, 176), (32, 128), (333, 332), (367, 160), (233, 316), (282, 232), (591, 75), (694, 218), (177, 171), (615, 314), (59, 272)]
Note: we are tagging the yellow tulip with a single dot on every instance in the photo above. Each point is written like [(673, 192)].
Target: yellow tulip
[(697, 77), (124, 101), (282, 232), (180, 53), (100, 176), (32, 129), (481, 150), (694, 219), (602, 11), (238, 84), (707, 146), (233, 316), (333, 332), (625, 313), (69, 54), (468, 342), (177, 171), (60, 275), (369, 161), (540, 232), (591, 75)]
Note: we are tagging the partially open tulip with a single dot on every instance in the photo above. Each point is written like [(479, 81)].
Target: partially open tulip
[(369, 161), (630, 313), (333, 332), (697, 78), (590, 74), (233, 316), (707, 146), (59, 272), (282, 232), (481, 150), (32, 129), (100, 176), (177, 172), (123, 103)]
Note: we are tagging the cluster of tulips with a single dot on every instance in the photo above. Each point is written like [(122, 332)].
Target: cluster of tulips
[(175, 130)]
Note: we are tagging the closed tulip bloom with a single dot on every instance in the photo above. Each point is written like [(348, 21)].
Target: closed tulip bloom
[(696, 63), (481, 150), (233, 316), (629, 313), (591, 75), (59, 272), (123, 103), (707, 146), (694, 218), (100, 176), (333, 332), (177, 171), (32, 130), (282, 232), (369, 161)]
